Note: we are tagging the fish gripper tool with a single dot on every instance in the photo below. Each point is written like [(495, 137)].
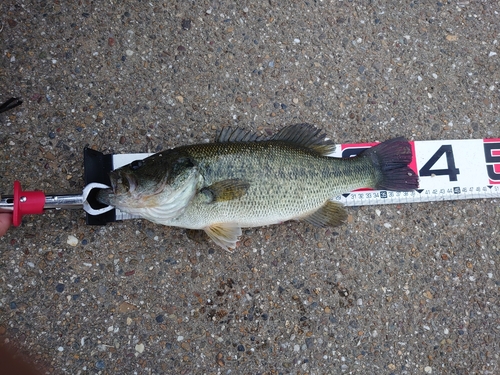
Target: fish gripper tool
[(36, 202)]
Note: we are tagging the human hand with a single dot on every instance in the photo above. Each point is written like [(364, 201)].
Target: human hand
[(5, 222)]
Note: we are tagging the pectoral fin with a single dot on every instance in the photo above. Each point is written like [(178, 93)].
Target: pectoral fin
[(225, 190), (330, 214), (224, 234)]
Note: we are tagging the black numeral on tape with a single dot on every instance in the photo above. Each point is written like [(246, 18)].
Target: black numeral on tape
[(451, 171)]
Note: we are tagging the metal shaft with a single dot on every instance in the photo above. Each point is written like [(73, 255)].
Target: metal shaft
[(67, 201), (7, 203)]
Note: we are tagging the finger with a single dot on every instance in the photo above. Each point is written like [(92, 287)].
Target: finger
[(5, 221)]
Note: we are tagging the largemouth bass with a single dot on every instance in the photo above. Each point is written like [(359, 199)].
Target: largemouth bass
[(243, 180)]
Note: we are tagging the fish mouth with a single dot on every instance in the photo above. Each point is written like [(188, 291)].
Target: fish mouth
[(104, 196), (121, 183), (131, 182), (113, 178), (128, 181)]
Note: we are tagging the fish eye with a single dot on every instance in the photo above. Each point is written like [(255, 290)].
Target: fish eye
[(136, 164)]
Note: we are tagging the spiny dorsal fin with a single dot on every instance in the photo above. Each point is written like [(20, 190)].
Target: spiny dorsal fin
[(330, 214), (237, 135), (303, 135), (225, 190)]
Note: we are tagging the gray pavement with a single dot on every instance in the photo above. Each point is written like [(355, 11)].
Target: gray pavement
[(418, 297)]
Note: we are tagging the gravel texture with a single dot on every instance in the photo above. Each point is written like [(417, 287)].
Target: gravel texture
[(419, 296)]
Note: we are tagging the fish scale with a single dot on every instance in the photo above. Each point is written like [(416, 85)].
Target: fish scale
[(285, 182)]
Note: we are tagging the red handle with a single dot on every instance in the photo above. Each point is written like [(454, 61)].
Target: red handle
[(26, 202)]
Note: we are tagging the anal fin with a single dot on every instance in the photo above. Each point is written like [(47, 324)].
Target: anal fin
[(224, 234), (330, 214)]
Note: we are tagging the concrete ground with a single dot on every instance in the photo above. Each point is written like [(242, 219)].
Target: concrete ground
[(418, 297)]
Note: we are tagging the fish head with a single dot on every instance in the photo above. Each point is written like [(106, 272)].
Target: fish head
[(165, 181)]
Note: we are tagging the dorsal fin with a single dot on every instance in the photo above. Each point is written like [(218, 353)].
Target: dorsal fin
[(303, 135), (237, 135)]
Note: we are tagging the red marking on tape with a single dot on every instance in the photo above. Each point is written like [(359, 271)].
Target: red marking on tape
[(492, 154), (413, 163)]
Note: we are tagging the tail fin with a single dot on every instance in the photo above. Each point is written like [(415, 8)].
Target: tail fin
[(391, 159)]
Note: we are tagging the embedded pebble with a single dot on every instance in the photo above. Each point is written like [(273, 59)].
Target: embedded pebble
[(126, 307), (72, 240), (186, 24)]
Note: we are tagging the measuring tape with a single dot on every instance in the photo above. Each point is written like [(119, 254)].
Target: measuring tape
[(448, 170)]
